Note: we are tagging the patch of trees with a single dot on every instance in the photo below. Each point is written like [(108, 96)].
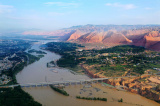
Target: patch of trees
[(92, 98), (33, 58), (93, 61), (138, 63), (120, 100), (68, 60), (59, 90), (16, 97), (62, 48), (158, 88), (122, 49), (36, 51)]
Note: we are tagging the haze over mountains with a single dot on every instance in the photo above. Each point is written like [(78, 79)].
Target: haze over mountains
[(147, 36)]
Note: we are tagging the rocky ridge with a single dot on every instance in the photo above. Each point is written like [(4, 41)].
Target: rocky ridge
[(147, 36)]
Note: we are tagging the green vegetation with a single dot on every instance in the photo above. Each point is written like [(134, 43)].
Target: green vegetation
[(93, 61), (36, 51), (16, 97), (14, 49), (28, 59), (9, 47), (108, 85), (158, 101), (65, 49), (92, 98), (33, 58), (113, 68), (62, 47), (115, 61), (123, 49), (17, 69), (59, 90), (120, 100), (68, 61), (158, 88), (40, 56), (134, 59), (51, 64)]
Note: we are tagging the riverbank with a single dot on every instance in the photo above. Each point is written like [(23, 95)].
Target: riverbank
[(139, 85), (71, 58), (16, 96), (113, 96), (38, 72)]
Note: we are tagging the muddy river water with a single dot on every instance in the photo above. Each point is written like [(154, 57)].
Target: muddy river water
[(38, 72)]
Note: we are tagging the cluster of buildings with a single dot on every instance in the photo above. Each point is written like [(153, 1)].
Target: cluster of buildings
[(4, 79), (10, 56), (5, 64)]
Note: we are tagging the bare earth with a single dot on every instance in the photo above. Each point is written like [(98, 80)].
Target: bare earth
[(154, 79)]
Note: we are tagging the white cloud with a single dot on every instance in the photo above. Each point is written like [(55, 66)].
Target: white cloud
[(148, 8), (56, 13), (108, 4), (60, 13), (124, 6), (62, 4), (6, 8)]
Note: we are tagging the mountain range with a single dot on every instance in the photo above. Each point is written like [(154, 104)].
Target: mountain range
[(147, 36)]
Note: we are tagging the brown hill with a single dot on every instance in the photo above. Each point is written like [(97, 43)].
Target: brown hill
[(147, 36), (115, 39), (93, 37), (155, 47), (148, 39), (76, 35)]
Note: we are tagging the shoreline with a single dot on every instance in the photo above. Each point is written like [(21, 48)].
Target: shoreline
[(92, 75), (35, 92)]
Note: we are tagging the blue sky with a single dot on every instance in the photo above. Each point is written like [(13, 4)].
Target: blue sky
[(56, 14)]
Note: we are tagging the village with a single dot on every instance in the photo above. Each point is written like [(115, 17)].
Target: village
[(8, 64), (139, 64), (10, 57), (143, 65)]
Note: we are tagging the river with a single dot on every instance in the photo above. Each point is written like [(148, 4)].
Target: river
[(38, 72)]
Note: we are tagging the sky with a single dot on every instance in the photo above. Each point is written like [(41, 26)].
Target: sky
[(57, 14)]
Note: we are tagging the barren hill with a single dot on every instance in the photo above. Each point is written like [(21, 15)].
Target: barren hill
[(147, 36)]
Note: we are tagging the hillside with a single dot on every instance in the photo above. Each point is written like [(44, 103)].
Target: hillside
[(147, 36)]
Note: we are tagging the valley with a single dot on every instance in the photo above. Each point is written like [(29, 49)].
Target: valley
[(79, 53), (118, 61)]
